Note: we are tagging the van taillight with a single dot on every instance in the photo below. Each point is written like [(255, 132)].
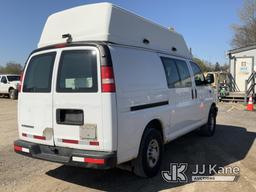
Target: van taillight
[(21, 82), (107, 79)]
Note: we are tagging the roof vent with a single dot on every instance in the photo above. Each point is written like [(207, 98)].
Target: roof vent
[(174, 49), (146, 41)]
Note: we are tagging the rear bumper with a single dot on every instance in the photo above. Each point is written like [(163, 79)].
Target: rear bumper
[(67, 156)]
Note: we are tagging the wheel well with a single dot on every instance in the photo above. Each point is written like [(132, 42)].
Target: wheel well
[(156, 124), (10, 89)]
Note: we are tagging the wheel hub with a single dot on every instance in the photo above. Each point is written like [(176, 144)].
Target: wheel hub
[(153, 153)]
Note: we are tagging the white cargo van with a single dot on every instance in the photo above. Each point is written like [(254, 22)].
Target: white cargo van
[(107, 87)]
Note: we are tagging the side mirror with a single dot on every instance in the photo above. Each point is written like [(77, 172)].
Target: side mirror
[(4, 81), (209, 78)]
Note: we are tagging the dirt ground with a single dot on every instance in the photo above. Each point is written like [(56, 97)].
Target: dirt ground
[(232, 145)]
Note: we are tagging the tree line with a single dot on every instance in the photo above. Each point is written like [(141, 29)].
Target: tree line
[(207, 66), (11, 68)]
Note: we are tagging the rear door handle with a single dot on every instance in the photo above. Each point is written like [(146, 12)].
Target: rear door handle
[(192, 93), (195, 93), (70, 116)]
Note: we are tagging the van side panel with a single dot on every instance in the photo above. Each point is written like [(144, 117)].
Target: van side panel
[(109, 121), (140, 84)]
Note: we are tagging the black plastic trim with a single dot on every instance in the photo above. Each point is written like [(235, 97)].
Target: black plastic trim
[(151, 105), (64, 155)]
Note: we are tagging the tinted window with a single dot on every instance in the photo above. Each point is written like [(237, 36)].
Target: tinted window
[(172, 76), (13, 78), (184, 73), (38, 75), (198, 75), (77, 71)]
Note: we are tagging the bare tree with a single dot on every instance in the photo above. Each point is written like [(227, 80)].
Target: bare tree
[(245, 34), (217, 67)]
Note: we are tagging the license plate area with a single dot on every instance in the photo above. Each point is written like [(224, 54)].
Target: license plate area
[(88, 131)]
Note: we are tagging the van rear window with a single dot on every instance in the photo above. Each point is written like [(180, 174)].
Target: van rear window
[(38, 75), (77, 71)]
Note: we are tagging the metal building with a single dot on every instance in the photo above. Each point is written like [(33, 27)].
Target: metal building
[(242, 63)]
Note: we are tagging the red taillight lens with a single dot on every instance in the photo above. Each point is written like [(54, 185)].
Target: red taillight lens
[(96, 143), (21, 82), (21, 149), (17, 148), (107, 79), (94, 161), (70, 141), (39, 137)]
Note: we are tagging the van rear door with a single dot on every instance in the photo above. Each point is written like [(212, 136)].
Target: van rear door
[(35, 119), (77, 114)]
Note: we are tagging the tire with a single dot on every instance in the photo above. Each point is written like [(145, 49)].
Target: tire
[(150, 154), (13, 94), (209, 128)]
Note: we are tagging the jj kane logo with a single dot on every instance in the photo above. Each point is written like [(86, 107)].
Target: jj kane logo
[(176, 173), (179, 173)]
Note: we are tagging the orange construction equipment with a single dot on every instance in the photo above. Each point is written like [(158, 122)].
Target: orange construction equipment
[(250, 104)]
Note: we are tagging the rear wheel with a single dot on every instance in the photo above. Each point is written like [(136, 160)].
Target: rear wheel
[(209, 128), (149, 159), (13, 94)]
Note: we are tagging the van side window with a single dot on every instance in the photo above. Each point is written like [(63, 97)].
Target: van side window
[(171, 72), (3, 80), (13, 78), (198, 75), (38, 75), (77, 71), (184, 73)]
